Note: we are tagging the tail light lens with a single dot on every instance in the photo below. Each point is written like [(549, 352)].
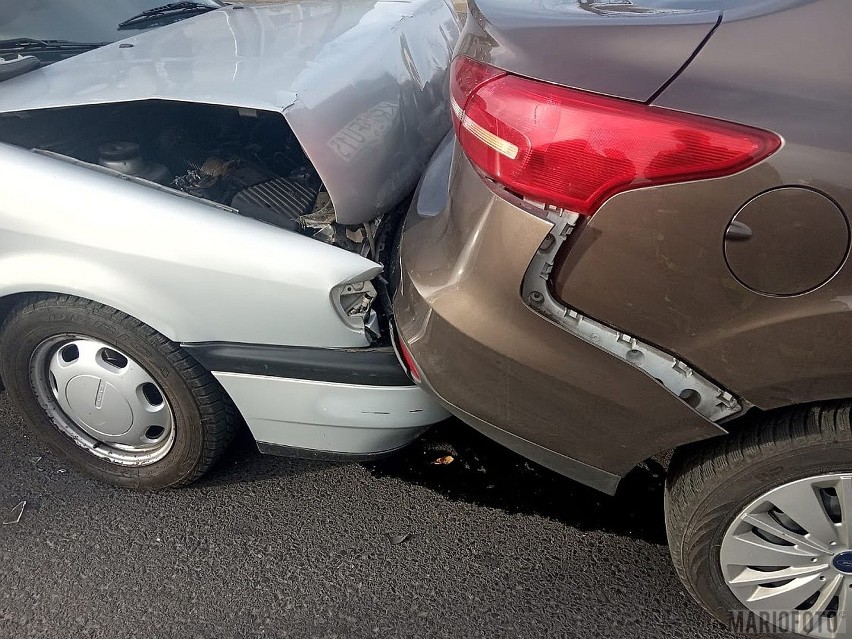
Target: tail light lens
[(573, 149), (409, 361)]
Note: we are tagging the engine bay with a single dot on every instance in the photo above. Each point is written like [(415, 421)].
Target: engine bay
[(244, 159)]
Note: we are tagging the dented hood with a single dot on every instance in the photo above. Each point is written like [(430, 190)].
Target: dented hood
[(361, 83)]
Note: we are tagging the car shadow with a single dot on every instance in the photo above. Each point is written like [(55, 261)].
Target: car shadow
[(243, 463), (461, 464)]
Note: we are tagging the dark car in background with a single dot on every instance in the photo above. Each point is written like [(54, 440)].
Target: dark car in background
[(635, 242)]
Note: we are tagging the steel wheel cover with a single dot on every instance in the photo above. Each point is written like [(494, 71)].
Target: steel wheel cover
[(103, 400)]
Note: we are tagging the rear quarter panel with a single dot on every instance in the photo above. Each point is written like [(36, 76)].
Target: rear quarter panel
[(651, 262)]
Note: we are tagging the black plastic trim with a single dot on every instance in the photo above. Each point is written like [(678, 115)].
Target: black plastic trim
[(281, 450), (365, 366), (689, 60)]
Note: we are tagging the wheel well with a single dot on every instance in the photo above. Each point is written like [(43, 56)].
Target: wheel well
[(7, 303), (753, 418)]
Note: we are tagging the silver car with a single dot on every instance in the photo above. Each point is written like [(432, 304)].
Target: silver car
[(195, 205)]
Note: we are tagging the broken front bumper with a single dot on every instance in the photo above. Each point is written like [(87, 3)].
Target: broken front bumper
[(348, 404), (500, 366)]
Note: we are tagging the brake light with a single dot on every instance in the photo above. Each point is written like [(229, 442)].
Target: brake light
[(409, 361), (573, 149)]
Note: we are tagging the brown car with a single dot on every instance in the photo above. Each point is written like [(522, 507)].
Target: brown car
[(635, 242)]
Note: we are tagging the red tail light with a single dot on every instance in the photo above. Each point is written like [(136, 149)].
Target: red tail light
[(574, 149), (409, 361)]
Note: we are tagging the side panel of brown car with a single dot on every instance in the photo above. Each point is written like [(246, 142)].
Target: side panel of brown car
[(767, 312)]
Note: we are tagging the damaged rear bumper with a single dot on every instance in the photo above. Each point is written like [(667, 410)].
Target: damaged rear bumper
[(505, 369)]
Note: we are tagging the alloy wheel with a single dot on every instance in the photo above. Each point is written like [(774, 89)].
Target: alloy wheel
[(788, 555)]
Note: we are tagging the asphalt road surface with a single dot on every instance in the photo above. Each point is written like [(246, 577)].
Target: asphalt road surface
[(485, 546)]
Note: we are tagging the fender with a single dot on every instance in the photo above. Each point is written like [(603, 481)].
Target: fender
[(192, 270)]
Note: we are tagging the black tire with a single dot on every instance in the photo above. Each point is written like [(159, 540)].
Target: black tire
[(709, 484), (203, 415)]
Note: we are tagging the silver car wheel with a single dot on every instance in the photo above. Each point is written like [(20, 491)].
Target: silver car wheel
[(103, 400), (789, 554)]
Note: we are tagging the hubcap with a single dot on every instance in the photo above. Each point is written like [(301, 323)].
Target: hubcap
[(103, 400), (788, 555)]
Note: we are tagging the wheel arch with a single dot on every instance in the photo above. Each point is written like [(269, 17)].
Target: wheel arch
[(9, 300), (36, 323), (10, 296), (752, 421)]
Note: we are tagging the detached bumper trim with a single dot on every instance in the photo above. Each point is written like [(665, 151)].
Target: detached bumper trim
[(280, 450)]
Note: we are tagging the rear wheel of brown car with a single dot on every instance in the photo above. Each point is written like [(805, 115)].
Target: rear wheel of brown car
[(760, 523)]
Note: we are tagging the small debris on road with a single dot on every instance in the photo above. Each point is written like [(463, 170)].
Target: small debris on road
[(16, 514), (445, 460), (398, 539)]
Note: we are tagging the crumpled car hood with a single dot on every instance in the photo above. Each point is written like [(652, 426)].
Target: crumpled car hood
[(361, 83)]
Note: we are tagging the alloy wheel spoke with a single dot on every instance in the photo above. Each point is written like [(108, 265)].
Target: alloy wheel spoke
[(800, 502), (829, 591), (767, 523), (787, 597), (844, 598), (814, 618), (844, 496), (787, 552), (752, 577), (749, 550)]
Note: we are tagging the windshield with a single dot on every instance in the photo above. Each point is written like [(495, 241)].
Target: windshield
[(76, 20)]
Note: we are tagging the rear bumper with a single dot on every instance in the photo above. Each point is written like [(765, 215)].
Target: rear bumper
[(507, 370)]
